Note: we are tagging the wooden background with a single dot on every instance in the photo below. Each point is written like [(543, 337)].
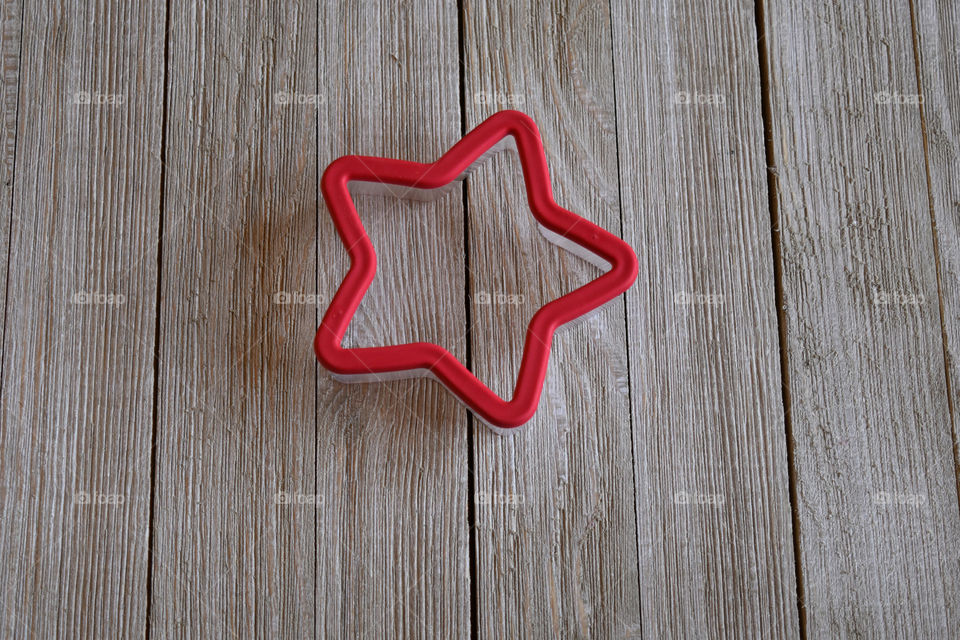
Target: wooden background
[(758, 440)]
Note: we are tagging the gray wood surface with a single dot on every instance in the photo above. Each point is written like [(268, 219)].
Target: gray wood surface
[(392, 531), (175, 463), (75, 426), (937, 33), (232, 557), (713, 506), (554, 503), (876, 482), (10, 25)]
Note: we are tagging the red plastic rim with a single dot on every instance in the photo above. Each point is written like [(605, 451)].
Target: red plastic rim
[(426, 359)]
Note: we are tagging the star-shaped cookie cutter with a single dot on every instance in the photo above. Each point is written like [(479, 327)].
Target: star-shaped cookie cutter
[(429, 181)]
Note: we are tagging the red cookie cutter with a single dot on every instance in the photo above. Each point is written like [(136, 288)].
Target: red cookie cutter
[(426, 181)]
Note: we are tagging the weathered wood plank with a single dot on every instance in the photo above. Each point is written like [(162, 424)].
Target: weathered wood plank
[(75, 428), (556, 551), (713, 506), (234, 552), (938, 34), (877, 497), (391, 457), (10, 25)]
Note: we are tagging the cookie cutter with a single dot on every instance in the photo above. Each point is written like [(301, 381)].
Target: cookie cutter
[(405, 179)]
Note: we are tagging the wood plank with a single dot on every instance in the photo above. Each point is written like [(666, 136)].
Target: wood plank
[(877, 497), (937, 27), (234, 551), (556, 551), (716, 551), (75, 428), (392, 537), (10, 26)]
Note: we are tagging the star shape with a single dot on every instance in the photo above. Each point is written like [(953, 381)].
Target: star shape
[(419, 359)]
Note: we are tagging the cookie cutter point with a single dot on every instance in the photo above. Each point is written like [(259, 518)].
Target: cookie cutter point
[(404, 179)]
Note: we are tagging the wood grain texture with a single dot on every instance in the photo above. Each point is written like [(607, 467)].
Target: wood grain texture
[(10, 26), (876, 485), (937, 33), (75, 427), (555, 533), (233, 550), (713, 507), (392, 536), (148, 158)]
